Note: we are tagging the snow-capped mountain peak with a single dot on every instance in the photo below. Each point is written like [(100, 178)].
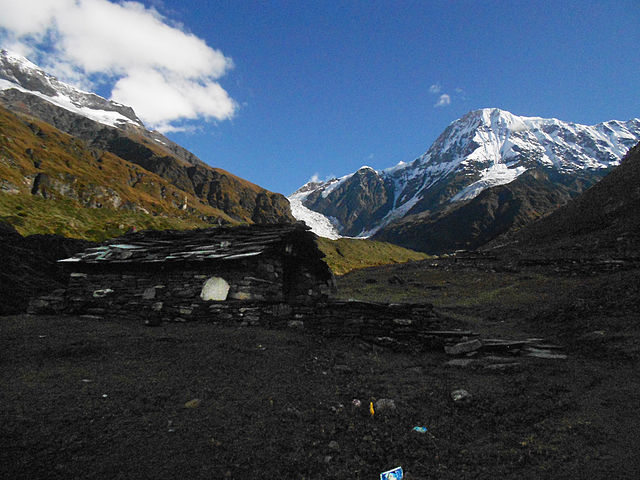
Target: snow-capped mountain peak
[(482, 149), (17, 72)]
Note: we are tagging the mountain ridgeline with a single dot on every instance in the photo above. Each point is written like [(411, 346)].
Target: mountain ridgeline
[(488, 173), (63, 144)]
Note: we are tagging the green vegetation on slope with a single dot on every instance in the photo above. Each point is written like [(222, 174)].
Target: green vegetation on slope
[(347, 254), (36, 215)]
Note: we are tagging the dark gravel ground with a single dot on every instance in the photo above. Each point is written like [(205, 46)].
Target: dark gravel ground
[(85, 398)]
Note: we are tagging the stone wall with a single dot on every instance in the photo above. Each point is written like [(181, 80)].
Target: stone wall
[(256, 297), (386, 324), (161, 289), (171, 290)]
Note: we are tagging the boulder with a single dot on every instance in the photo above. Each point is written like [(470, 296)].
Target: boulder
[(461, 397)]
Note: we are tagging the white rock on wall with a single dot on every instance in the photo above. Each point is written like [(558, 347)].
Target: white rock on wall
[(216, 289)]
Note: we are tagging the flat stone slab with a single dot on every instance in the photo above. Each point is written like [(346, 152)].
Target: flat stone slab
[(463, 347), (498, 359), (535, 352)]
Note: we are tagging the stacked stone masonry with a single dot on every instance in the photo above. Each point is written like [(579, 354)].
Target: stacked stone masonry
[(175, 297)]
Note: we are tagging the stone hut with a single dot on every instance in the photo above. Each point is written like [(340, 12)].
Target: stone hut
[(179, 275)]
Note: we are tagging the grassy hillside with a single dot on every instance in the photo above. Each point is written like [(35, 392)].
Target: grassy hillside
[(36, 159), (347, 254), (31, 215)]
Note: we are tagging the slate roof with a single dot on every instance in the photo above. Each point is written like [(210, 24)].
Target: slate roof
[(212, 244)]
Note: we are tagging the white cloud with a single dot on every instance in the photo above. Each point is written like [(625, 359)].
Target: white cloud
[(435, 88), (443, 101), (131, 46)]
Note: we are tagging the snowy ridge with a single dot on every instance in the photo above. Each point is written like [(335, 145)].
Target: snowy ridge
[(491, 147), (16, 72)]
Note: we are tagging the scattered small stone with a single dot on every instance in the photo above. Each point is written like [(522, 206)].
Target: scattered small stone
[(384, 404), (333, 445), (294, 412), (295, 324), (195, 403), (461, 397), (327, 459), (463, 347), (215, 443), (356, 403)]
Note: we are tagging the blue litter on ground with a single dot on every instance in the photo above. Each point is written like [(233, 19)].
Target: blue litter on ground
[(420, 429), (395, 474)]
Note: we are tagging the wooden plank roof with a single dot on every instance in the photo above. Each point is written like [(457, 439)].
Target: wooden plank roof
[(222, 243)]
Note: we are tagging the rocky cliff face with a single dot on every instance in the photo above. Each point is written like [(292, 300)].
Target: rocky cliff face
[(355, 203), (105, 126)]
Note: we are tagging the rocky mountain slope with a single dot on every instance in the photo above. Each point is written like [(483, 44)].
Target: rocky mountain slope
[(99, 131), (603, 222), (495, 211), (484, 149)]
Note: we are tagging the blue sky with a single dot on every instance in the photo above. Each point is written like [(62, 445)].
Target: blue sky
[(306, 88)]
